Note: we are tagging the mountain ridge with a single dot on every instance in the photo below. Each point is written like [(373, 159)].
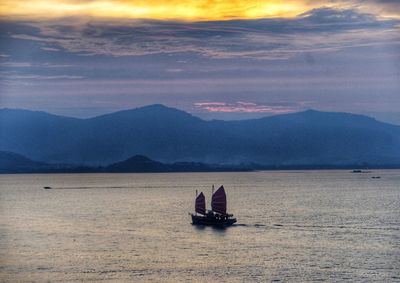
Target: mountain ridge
[(171, 135), (163, 107), (12, 163)]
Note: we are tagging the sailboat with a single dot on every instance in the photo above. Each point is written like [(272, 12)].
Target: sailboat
[(217, 216)]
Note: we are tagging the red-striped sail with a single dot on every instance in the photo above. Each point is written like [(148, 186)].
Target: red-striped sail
[(200, 206), (218, 201)]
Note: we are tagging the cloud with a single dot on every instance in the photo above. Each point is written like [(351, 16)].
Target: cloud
[(389, 7), (209, 104), (50, 49), (320, 30), (174, 70), (243, 107), (16, 64), (16, 76), (342, 59), (13, 65), (155, 9), (188, 10)]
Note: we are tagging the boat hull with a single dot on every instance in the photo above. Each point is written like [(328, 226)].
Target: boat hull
[(212, 221)]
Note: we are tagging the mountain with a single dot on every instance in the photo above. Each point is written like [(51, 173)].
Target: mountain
[(170, 135), (138, 163), (143, 164), (15, 163)]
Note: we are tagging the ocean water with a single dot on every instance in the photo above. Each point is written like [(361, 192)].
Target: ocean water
[(297, 226)]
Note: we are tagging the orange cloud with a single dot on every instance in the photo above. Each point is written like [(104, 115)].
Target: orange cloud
[(184, 10), (155, 9)]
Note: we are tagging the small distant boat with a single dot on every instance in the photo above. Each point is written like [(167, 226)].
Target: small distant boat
[(47, 188), (376, 177), (359, 171), (217, 216)]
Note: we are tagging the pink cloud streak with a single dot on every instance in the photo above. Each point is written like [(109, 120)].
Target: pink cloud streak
[(242, 107)]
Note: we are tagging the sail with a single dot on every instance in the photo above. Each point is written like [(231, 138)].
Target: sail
[(200, 206), (218, 201)]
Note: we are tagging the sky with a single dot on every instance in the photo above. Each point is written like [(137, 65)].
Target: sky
[(212, 58)]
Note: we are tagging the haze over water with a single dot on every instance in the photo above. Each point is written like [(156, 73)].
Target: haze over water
[(292, 226)]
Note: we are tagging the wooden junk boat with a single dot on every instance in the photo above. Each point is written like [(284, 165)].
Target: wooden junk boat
[(217, 216)]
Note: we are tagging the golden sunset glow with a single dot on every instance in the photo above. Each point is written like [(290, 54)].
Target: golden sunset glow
[(163, 10)]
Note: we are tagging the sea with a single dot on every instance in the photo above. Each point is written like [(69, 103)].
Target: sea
[(293, 226)]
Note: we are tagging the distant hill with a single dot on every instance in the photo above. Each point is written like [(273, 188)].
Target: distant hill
[(12, 162), (15, 163), (142, 164), (170, 135), (138, 163)]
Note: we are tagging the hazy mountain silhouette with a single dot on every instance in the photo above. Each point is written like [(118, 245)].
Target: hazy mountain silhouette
[(171, 135), (138, 163), (15, 163), (12, 162)]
